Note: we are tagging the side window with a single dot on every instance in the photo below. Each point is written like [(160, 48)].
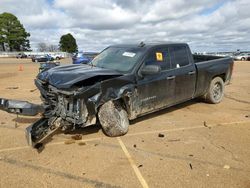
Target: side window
[(159, 57), (179, 56)]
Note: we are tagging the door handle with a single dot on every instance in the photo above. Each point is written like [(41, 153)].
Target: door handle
[(170, 77), (191, 72)]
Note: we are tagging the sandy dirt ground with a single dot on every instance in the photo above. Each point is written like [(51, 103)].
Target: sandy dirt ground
[(204, 145)]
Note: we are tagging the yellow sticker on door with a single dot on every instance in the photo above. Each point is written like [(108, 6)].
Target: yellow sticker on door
[(159, 56)]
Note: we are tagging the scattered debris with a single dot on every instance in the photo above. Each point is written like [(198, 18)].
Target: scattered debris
[(226, 166), (2, 123), (76, 137), (81, 143), (161, 135), (142, 141), (69, 142), (14, 87), (83, 173), (134, 145), (161, 159), (191, 167), (205, 125), (96, 144), (247, 116), (140, 166), (32, 90), (191, 155), (174, 140)]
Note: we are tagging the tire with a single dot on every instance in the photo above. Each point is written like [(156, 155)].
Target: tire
[(113, 119), (216, 91), (243, 59)]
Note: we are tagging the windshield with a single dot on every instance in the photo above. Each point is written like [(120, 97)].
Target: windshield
[(122, 59)]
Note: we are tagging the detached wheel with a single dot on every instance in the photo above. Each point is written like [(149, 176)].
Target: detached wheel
[(216, 91), (113, 119)]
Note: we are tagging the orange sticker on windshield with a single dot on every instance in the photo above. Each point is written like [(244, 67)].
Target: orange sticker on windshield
[(159, 56)]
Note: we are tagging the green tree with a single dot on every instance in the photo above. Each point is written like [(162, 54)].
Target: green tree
[(13, 33), (68, 43)]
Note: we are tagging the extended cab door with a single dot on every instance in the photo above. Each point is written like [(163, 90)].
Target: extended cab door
[(184, 72), (157, 90)]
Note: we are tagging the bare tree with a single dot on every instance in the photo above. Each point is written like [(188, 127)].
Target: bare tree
[(42, 47), (52, 48)]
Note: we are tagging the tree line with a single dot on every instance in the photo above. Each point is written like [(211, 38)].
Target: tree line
[(14, 37)]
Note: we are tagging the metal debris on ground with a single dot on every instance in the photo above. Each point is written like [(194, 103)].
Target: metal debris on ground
[(140, 166), (77, 137), (161, 135)]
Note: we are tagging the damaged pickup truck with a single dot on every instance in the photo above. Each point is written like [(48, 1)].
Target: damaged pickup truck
[(122, 83)]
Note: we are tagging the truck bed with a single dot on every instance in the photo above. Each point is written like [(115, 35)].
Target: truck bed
[(201, 58), (208, 67)]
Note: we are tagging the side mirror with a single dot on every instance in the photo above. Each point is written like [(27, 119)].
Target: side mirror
[(150, 69)]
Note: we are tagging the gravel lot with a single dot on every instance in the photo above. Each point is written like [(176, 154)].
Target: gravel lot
[(204, 145)]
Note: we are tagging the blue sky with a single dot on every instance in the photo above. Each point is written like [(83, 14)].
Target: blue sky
[(213, 8), (206, 25)]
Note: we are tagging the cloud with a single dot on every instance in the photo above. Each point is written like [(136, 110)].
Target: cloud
[(207, 25)]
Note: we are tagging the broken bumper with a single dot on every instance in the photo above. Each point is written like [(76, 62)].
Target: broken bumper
[(20, 107)]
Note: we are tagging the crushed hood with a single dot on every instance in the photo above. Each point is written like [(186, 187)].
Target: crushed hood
[(64, 77)]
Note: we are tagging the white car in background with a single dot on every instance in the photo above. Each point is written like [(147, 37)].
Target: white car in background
[(242, 56), (56, 56)]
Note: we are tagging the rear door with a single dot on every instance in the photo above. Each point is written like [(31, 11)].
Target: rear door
[(185, 72), (156, 91)]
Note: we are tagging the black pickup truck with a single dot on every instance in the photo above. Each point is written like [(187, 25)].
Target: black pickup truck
[(122, 83)]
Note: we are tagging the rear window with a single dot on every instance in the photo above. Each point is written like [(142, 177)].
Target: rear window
[(179, 56)]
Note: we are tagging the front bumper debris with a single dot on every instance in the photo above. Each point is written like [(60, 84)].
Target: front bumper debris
[(39, 131), (20, 107)]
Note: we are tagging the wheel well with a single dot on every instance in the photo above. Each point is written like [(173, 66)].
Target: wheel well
[(223, 76)]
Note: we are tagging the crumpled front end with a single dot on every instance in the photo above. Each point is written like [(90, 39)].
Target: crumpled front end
[(63, 110)]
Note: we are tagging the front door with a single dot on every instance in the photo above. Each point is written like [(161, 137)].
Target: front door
[(156, 91)]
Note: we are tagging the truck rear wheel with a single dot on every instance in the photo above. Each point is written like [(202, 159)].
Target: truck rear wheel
[(113, 119), (216, 91)]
